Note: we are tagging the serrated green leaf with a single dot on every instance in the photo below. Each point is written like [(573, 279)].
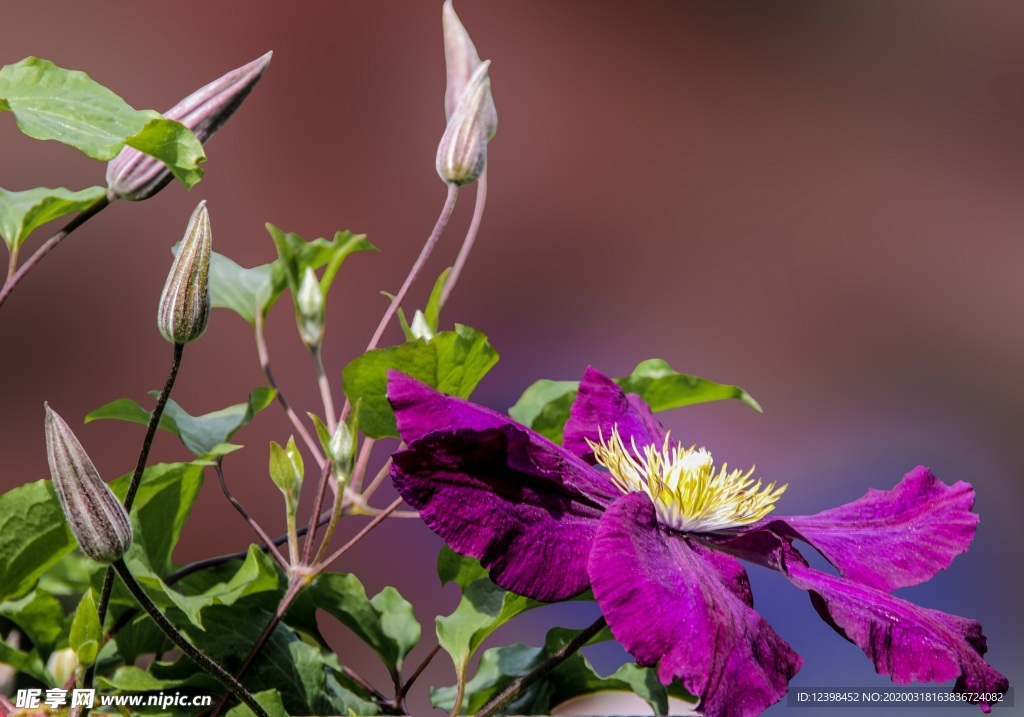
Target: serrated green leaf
[(201, 434), (386, 623), (50, 102), (86, 633), (247, 292), (39, 615), (544, 406), (33, 536), (21, 213), (484, 608), (453, 362)]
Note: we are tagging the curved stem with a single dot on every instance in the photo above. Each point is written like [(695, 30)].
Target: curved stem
[(400, 697), (261, 348), (325, 388), (318, 501), (428, 247), (271, 546), (467, 243), (81, 218), (377, 520), (197, 655), (383, 473), (517, 687), (154, 422)]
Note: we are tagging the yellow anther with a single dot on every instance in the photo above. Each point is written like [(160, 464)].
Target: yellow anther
[(688, 494)]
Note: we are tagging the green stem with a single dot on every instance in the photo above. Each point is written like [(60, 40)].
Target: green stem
[(50, 244), (517, 687), (133, 486), (197, 655)]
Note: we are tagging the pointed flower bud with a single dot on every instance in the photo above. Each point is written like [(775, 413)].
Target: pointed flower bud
[(309, 305), (134, 176), (98, 520), (185, 301), (462, 153), (461, 61)]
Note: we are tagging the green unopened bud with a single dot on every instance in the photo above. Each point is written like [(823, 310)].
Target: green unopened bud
[(97, 519), (461, 61), (286, 469), (341, 450), (134, 176), (309, 305), (185, 302), (462, 153)]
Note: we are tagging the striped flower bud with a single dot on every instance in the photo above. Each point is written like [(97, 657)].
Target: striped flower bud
[(309, 305), (98, 520), (185, 301), (134, 176), (462, 153), (461, 61)]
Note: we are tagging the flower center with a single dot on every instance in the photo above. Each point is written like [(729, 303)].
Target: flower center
[(687, 492)]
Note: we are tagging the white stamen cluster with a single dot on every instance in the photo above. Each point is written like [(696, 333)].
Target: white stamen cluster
[(688, 494)]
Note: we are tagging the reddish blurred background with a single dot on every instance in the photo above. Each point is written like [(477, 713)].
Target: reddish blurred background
[(820, 202)]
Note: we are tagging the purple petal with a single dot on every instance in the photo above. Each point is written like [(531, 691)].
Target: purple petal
[(895, 538), (907, 642), (687, 608), (509, 498), (420, 409), (600, 406)]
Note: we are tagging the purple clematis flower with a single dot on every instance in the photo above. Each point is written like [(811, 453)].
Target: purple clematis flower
[(656, 534)]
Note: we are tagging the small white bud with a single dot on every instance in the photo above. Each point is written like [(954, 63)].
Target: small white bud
[(309, 305)]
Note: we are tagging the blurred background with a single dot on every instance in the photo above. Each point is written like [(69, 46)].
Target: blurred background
[(820, 202)]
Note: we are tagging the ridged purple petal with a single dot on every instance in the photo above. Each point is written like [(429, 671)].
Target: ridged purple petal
[(510, 498), (892, 538), (907, 642), (600, 406), (675, 603), (420, 409)]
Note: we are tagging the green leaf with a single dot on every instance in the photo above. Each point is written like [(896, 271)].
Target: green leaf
[(39, 615), (452, 362), (49, 102), (28, 662), (500, 667), (484, 608), (270, 700), (33, 536), (308, 679), (86, 633), (459, 569), (432, 313), (173, 144), (256, 575), (201, 434), (544, 406), (247, 292), (663, 388), (295, 255), (21, 213), (162, 505), (386, 623), (286, 468)]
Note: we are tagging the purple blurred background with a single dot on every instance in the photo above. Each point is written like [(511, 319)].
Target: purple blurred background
[(822, 203)]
